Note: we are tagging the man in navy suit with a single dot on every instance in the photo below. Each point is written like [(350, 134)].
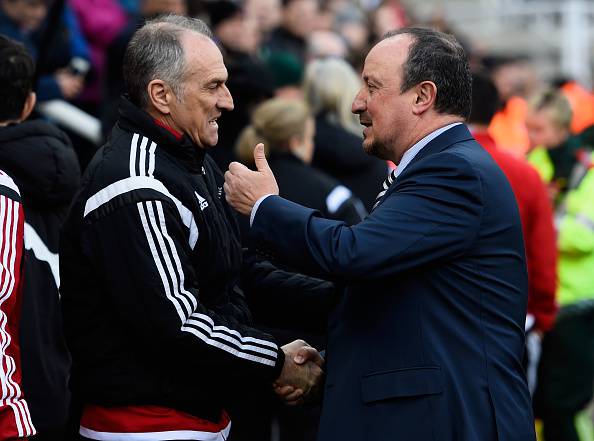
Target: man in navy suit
[(428, 338)]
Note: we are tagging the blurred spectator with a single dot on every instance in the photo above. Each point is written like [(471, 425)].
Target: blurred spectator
[(113, 86), (325, 44), (250, 81), (298, 21), (287, 74), (536, 215), (553, 149), (515, 79), (60, 51), (581, 101), (287, 129), (101, 21), (267, 14), (567, 367), (235, 30), (389, 16), (45, 167), (352, 25), (330, 87)]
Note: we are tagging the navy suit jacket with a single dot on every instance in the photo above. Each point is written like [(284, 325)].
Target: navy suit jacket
[(428, 338)]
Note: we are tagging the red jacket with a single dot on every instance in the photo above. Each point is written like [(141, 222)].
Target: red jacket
[(536, 214), (15, 419)]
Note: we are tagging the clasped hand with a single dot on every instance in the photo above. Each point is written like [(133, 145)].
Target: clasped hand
[(302, 373)]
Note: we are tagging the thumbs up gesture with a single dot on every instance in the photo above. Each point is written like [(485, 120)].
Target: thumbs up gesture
[(243, 187)]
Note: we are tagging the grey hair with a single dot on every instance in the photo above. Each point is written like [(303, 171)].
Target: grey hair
[(155, 52), (330, 86)]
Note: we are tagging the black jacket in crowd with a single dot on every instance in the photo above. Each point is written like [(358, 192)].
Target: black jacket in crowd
[(150, 265), (44, 166), (340, 154), (305, 185)]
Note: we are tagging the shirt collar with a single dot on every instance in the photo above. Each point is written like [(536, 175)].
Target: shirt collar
[(412, 152)]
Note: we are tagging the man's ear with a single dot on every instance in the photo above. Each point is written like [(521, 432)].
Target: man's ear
[(29, 106), (426, 94), (160, 96)]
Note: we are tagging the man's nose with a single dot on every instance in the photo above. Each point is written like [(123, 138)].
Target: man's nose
[(225, 100), (358, 105)]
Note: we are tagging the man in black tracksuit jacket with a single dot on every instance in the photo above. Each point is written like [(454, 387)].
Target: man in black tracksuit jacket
[(41, 160), (150, 262), (45, 167)]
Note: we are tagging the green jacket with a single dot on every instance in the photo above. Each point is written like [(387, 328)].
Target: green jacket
[(575, 229)]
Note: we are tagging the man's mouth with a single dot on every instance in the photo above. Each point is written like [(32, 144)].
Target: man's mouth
[(213, 122)]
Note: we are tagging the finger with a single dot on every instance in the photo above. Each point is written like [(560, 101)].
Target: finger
[(283, 391), (307, 353), (236, 167), (260, 158), (294, 396)]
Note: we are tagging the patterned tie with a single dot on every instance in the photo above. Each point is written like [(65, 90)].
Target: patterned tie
[(385, 187)]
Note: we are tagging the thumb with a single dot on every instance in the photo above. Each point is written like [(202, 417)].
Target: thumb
[(260, 158)]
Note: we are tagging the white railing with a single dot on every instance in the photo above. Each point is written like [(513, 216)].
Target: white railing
[(556, 33)]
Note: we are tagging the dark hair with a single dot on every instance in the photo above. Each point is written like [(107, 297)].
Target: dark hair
[(16, 78), (438, 57), (485, 99), (155, 51)]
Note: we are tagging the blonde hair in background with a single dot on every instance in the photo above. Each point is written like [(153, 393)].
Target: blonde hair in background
[(556, 103), (330, 86), (274, 123)]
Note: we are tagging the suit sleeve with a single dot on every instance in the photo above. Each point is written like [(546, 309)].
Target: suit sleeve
[(143, 252), (285, 299), (433, 214)]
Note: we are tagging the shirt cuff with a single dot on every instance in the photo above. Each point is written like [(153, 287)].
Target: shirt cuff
[(255, 207)]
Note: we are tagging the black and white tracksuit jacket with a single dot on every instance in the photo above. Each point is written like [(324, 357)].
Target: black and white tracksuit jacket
[(149, 262), (42, 162)]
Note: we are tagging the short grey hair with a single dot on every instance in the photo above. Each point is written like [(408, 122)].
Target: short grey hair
[(155, 52)]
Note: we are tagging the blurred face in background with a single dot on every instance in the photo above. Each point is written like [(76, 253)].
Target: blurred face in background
[(543, 131), (239, 33), (266, 13), (300, 17), (27, 14), (515, 79), (303, 146)]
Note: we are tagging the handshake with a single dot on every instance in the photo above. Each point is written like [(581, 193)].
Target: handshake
[(301, 378)]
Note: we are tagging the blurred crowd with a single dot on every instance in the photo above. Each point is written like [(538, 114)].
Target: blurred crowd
[(293, 73)]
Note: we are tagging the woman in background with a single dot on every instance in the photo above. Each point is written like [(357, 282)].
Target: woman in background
[(286, 128), (329, 88)]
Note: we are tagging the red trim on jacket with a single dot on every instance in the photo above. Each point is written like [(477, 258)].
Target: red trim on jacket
[(536, 214), (139, 419), (15, 419), (171, 130)]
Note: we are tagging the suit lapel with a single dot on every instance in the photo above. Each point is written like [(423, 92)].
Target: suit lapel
[(450, 137)]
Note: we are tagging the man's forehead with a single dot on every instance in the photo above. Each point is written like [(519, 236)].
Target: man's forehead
[(202, 54), (390, 50), (386, 57)]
